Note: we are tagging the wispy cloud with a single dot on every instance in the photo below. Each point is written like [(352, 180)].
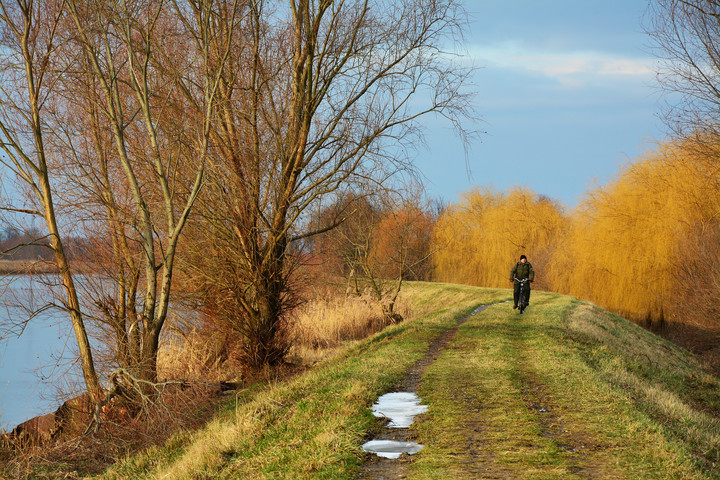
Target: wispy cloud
[(568, 67)]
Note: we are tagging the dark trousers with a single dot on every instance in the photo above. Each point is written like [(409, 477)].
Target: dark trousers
[(516, 293)]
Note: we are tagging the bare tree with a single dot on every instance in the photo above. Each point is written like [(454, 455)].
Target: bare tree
[(322, 95), (149, 73), (390, 244), (687, 41), (30, 42)]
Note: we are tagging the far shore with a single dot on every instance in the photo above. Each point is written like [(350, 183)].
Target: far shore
[(34, 267)]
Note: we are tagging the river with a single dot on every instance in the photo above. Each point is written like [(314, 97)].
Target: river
[(33, 364)]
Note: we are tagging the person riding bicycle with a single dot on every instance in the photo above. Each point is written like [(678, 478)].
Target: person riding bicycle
[(522, 270)]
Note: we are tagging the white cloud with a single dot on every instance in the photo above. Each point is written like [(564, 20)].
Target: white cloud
[(568, 67)]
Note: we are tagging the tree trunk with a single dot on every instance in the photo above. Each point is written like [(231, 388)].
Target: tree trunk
[(147, 368), (268, 347), (86, 359)]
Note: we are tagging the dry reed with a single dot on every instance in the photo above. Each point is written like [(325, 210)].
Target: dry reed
[(325, 323)]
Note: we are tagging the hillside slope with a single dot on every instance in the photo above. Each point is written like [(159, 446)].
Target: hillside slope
[(564, 391)]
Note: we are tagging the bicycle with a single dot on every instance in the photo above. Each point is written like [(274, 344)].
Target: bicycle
[(521, 293)]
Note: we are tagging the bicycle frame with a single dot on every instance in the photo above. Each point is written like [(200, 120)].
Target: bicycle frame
[(521, 293)]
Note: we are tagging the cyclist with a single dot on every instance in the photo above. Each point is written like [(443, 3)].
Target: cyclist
[(522, 270)]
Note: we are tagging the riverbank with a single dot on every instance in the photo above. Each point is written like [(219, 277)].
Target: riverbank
[(34, 267), (26, 267), (564, 391)]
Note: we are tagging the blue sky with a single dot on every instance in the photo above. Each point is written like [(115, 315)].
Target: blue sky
[(567, 94)]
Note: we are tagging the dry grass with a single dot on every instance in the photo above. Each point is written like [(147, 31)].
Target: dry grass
[(196, 357), (312, 425), (327, 322), (633, 405), (330, 319), (667, 382), (324, 327)]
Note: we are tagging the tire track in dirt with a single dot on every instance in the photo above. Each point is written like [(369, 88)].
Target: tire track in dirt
[(376, 467), (476, 461), (581, 447)]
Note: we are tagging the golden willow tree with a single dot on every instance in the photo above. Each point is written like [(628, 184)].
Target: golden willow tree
[(627, 237), (322, 94), (478, 241), (686, 34), (644, 246)]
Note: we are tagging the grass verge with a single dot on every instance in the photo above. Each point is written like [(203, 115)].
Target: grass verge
[(564, 391)]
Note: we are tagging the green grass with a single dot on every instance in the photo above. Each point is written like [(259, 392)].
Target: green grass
[(616, 400), (314, 425), (564, 391)]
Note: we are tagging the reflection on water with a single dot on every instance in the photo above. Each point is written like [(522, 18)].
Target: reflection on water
[(391, 449), (31, 364), (35, 366), (400, 408)]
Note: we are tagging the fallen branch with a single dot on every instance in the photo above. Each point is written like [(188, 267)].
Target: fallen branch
[(138, 392)]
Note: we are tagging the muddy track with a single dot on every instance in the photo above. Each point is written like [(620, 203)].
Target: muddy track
[(476, 459), (579, 444), (388, 469)]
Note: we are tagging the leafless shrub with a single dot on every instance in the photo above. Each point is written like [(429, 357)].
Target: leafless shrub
[(123, 428)]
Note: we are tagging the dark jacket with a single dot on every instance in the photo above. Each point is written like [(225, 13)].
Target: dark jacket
[(522, 271)]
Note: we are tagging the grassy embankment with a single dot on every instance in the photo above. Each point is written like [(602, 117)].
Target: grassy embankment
[(564, 391)]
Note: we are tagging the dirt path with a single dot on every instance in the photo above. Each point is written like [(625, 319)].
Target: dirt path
[(579, 444), (475, 457), (376, 467)]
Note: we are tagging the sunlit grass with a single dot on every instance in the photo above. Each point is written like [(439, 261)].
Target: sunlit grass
[(324, 323), (614, 392), (327, 322), (680, 400), (631, 405), (312, 426)]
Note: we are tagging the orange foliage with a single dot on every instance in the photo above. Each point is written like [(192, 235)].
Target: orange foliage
[(377, 237), (479, 240), (643, 246), (622, 250), (403, 242), (696, 297)]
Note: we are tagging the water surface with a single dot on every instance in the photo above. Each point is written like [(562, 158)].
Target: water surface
[(400, 407), (33, 364)]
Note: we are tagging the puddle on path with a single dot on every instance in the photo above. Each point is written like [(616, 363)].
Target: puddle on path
[(480, 308), (400, 408), (388, 464), (391, 448)]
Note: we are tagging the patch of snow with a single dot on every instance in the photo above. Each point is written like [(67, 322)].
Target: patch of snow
[(390, 448), (400, 407)]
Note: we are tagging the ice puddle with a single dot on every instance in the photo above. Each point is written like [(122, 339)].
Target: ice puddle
[(400, 408)]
